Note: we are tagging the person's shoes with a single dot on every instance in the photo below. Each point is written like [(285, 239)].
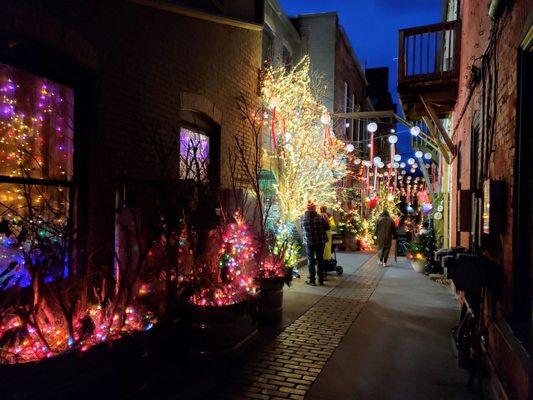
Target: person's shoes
[(310, 283)]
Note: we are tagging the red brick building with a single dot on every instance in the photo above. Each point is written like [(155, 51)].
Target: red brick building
[(135, 68), (474, 95), (487, 130)]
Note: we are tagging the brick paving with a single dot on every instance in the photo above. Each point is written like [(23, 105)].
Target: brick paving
[(286, 368)]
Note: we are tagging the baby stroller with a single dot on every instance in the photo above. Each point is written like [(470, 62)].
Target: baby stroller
[(331, 264)]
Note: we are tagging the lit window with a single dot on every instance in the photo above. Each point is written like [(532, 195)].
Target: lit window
[(36, 171), (194, 155)]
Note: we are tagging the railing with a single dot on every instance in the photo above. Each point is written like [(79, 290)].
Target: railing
[(429, 52)]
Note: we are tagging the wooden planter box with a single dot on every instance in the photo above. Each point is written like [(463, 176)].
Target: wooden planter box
[(271, 300), (348, 242), (213, 331), (32, 378)]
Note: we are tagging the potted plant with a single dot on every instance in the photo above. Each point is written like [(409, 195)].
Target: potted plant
[(217, 289), (350, 227), (420, 251), (275, 270)]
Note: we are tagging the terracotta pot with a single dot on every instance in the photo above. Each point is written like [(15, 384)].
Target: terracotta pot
[(270, 300)]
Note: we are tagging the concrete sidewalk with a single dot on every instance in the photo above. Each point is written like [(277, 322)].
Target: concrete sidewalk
[(399, 346)]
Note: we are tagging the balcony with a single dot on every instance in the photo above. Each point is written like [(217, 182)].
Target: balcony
[(428, 66)]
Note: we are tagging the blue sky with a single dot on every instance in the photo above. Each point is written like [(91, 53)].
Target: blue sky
[(372, 26)]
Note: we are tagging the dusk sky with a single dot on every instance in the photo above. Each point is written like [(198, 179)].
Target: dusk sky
[(372, 26)]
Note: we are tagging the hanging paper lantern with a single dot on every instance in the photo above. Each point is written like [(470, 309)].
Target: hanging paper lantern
[(325, 119), (393, 139), (372, 127), (415, 130), (397, 157), (350, 147), (437, 216)]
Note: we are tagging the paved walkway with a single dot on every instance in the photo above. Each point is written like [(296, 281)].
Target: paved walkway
[(290, 364), (373, 334), (399, 346)]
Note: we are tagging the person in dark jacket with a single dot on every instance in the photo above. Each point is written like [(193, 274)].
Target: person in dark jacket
[(314, 228), (384, 231)]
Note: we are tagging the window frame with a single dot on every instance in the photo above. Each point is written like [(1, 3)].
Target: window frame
[(346, 105), (37, 59), (204, 125)]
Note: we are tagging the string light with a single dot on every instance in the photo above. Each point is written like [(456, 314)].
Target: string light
[(314, 161)]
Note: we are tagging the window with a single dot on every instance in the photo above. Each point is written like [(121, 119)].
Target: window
[(36, 175), (287, 59), (268, 44), (194, 155), (353, 128), (346, 101)]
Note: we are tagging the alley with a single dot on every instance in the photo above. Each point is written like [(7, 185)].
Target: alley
[(373, 336), (266, 199)]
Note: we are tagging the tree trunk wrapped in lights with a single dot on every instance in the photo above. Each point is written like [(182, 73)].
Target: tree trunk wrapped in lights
[(310, 160)]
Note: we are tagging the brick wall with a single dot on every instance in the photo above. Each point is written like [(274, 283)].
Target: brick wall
[(143, 60), (474, 38), (346, 70), (318, 41)]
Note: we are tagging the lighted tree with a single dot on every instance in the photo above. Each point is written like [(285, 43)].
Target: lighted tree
[(310, 160)]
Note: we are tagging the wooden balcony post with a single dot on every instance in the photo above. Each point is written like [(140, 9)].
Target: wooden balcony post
[(401, 56)]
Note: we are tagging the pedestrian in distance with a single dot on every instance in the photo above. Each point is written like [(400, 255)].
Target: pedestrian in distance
[(314, 228), (329, 235), (384, 232)]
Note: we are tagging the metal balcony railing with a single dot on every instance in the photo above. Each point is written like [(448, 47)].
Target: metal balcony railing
[(429, 53)]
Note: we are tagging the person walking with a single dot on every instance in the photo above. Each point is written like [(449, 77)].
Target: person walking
[(329, 236), (384, 231), (314, 228)]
